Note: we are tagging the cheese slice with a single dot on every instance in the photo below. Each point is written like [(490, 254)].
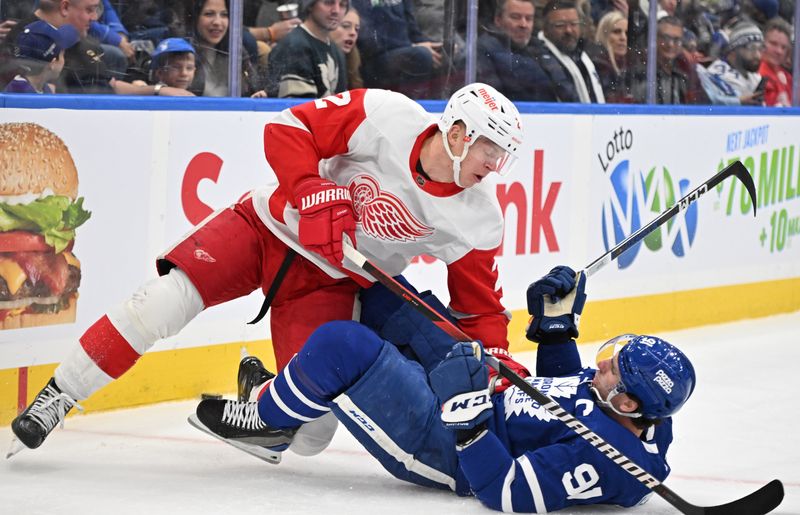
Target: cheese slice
[(13, 275), (72, 260)]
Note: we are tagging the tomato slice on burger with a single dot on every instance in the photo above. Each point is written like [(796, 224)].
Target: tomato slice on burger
[(22, 241)]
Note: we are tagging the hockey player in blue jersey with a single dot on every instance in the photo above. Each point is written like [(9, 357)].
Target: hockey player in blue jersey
[(426, 408)]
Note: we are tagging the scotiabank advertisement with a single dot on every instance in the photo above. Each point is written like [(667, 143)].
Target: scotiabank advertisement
[(89, 199)]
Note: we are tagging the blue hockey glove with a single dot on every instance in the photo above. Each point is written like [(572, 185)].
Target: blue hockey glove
[(461, 381), (555, 303)]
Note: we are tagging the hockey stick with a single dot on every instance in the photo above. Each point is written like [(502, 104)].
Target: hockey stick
[(736, 169), (762, 501)]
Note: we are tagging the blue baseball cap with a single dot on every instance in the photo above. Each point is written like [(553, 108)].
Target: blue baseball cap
[(170, 46), (768, 7), (40, 41)]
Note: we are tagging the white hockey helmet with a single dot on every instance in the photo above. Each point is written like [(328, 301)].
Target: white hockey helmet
[(485, 112)]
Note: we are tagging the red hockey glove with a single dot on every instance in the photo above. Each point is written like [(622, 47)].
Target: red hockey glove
[(498, 384), (326, 214)]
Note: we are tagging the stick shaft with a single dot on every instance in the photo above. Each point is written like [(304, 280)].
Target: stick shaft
[(736, 169), (759, 502)]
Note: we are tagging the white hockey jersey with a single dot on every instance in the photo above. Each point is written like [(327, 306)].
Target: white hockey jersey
[(370, 142), (724, 84)]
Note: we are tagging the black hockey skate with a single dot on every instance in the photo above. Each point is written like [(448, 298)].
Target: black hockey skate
[(238, 424), (47, 410), (251, 374)]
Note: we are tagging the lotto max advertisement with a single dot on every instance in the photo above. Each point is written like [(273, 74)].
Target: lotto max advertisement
[(583, 184), (639, 166)]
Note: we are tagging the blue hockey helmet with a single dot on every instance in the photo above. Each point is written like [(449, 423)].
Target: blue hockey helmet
[(656, 372)]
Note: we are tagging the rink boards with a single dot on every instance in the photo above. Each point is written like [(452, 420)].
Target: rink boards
[(586, 180)]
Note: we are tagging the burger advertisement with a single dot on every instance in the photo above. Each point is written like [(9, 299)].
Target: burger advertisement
[(39, 213)]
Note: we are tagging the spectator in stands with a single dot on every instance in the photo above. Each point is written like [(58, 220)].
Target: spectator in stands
[(173, 64), (272, 24), (733, 80), (691, 48), (113, 38), (786, 9), (209, 23), (5, 28), (10, 15), (699, 25), (430, 17), (668, 7), (121, 87), (8, 66), (506, 59), (84, 68), (562, 57), (396, 55), (154, 20), (266, 25), (17, 10), (610, 57), (40, 48), (676, 78), (587, 23), (306, 63), (346, 36), (104, 29), (760, 11), (172, 70), (777, 48), (694, 14)]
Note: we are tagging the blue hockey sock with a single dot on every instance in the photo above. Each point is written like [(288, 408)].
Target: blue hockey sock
[(288, 402), (335, 356)]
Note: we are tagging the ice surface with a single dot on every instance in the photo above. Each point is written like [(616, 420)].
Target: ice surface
[(739, 431)]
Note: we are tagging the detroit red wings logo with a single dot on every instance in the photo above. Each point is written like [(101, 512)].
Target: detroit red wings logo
[(383, 215)]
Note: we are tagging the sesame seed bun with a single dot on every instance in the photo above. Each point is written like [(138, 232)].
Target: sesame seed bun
[(33, 159)]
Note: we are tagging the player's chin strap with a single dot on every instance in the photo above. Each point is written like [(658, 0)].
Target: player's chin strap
[(606, 403), (456, 160)]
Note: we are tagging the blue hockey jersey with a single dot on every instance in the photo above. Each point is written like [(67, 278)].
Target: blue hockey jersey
[(530, 461)]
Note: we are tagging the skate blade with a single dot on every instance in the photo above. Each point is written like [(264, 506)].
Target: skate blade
[(259, 452), (16, 446)]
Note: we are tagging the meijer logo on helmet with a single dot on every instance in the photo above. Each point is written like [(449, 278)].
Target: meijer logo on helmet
[(488, 99)]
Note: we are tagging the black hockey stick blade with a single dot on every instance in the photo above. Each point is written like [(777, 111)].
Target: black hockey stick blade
[(736, 169), (760, 502)]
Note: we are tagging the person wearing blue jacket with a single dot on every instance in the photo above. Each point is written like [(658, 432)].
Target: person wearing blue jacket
[(507, 61), (429, 410), (113, 37)]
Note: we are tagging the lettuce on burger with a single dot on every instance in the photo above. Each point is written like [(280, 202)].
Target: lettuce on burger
[(39, 212)]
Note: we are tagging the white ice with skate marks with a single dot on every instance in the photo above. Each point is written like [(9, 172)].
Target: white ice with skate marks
[(737, 433)]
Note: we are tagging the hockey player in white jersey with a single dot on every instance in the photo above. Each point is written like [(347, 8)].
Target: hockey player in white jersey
[(428, 411), (368, 166)]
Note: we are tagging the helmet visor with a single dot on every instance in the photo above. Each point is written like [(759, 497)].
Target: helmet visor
[(610, 349), (505, 164), (497, 158)]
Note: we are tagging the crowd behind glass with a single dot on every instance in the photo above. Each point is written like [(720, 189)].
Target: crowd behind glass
[(726, 52)]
